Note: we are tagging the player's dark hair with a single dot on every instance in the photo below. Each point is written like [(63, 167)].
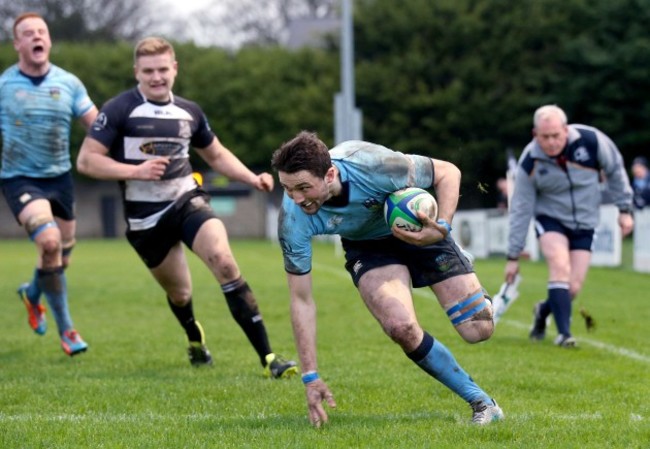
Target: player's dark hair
[(304, 152)]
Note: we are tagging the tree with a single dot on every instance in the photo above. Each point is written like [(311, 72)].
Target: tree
[(85, 20), (460, 79)]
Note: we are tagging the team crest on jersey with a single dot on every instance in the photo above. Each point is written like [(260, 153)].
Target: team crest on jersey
[(372, 204), (161, 148), (100, 122), (333, 222), (184, 129), (55, 93), (581, 154)]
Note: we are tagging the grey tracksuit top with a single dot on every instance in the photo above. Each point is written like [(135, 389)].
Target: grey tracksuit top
[(571, 195)]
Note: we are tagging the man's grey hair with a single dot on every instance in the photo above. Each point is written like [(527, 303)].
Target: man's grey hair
[(546, 111)]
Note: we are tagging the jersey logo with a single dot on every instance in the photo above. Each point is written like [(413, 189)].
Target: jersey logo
[(443, 263), (55, 93), (161, 148), (184, 129), (333, 222), (581, 154), (24, 198), (372, 204), (100, 122)]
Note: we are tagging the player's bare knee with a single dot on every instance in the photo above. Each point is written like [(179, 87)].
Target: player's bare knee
[(50, 248), (222, 265), (179, 297), (401, 332), (67, 245), (476, 331), (473, 317), (66, 250)]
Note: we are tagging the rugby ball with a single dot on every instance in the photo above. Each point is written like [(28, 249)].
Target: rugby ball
[(401, 207)]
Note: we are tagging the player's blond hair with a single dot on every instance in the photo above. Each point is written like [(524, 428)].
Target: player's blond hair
[(153, 46)]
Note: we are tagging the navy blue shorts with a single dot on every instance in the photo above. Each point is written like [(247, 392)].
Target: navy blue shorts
[(578, 238), (59, 191), (427, 265), (180, 223)]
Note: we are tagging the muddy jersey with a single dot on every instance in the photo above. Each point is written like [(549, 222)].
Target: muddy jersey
[(135, 129), (369, 173), (35, 118)]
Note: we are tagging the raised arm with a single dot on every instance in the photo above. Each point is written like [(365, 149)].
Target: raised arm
[(222, 160)]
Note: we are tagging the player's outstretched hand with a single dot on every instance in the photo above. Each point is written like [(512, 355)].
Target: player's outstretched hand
[(317, 392), (431, 232)]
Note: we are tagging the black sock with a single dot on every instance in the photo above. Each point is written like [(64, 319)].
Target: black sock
[(243, 307), (185, 316)]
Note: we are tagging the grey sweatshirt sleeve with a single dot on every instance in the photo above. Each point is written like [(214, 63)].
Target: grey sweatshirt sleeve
[(521, 209), (611, 162)]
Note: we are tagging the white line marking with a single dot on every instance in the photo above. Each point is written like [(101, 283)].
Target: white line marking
[(624, 352), (588, 341), (105, 417)]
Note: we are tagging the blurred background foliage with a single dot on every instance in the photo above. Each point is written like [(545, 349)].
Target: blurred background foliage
[(452, 79)]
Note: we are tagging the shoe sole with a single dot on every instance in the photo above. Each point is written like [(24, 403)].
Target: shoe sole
[(200, 364), (73, 353), (287, 373)]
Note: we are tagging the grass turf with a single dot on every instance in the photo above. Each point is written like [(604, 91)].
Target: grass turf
[(134, 388)]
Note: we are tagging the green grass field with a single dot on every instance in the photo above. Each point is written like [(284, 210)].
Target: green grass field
[(134, 388)]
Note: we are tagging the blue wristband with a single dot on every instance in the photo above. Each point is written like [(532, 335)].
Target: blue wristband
[(445, 224), (310, 377)]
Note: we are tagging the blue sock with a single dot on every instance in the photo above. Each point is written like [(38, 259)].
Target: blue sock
[(54, 286), (560, 301), (435, 359), (33, 290)]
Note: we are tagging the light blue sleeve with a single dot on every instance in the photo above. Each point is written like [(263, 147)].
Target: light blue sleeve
[(294, 234)]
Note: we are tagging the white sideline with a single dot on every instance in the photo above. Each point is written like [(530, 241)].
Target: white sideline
[(624, 352)]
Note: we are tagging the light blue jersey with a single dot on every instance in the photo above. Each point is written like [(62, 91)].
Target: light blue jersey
[(35, 120), (369, 173)]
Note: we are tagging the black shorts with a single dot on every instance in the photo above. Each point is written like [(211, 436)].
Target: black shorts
[(428, 265), (578, 238), (180, 223), (59, 191)]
